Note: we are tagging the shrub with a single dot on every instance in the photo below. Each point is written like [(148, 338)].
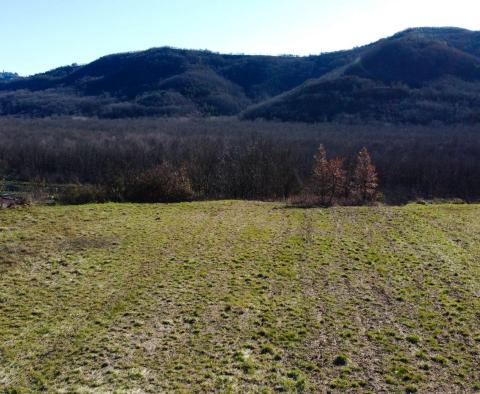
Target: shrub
[(83, 194), (162, 183), (340, 360), (413, 339)]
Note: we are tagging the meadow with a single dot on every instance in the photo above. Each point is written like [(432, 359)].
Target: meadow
[(233, 296)]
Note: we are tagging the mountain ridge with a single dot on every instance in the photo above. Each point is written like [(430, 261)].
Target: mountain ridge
[(429, 66), (7, 76)]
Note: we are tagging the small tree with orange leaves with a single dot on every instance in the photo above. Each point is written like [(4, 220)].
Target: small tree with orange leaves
[(365, 179), (338, 179), (328, 178), (320, 175)]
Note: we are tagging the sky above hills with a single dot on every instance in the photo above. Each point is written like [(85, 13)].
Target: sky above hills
[(40, 35)]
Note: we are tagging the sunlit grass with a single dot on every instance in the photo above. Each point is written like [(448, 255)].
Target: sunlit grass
[(238, 297)]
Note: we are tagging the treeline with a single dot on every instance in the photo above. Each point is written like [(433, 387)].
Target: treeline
[(181, 159), (7, 76)]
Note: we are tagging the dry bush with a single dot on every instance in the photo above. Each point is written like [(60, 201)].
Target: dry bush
[(162, 183), (83, 194)]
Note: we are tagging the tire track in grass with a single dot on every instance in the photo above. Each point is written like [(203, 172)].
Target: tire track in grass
[(163, 274), (255, 317), (244, 277), (448, 279), (340, 324), (241, 297), (355, 301), (387, 270), (181, 250), (102, 306), (183, 314)]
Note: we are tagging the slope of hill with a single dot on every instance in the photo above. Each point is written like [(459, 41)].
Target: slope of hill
[(461, 39), (166, 81), (239, 297), (408, 78), (415, 62), (7, 76), (417, 76)]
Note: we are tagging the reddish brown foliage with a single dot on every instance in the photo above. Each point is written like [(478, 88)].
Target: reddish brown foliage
[(329, 180), (365, 179)]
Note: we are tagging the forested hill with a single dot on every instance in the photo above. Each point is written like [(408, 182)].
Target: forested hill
[(163, 81), (7, 76), (416, 76)]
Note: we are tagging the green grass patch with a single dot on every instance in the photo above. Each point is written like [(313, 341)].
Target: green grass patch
[(239, 297)]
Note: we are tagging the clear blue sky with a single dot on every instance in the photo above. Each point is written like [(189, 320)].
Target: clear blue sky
[(37, 35)]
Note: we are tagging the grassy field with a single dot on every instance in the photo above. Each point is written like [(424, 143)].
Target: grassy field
[(240, 297)]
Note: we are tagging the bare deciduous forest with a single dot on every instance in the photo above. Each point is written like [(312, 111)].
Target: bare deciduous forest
[(229, 158)]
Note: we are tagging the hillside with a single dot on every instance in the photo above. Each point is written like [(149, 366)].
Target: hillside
[(164, 81), (8, 76), (413, 77), (417, 76), (461, 39), (239, 297)]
